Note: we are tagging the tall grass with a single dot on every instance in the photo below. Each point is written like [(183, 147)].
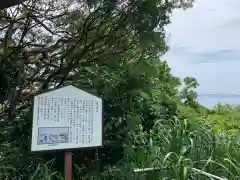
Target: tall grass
[(177, 149), (188, 149)]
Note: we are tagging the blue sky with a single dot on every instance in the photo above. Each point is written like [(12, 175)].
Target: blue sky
[(204, 43)]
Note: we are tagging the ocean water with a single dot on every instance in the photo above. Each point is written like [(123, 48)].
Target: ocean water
[(209, 100)]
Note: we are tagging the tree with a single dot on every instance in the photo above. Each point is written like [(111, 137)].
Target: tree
[(188, 93), (6, 4), (42, 48), (108, 48)]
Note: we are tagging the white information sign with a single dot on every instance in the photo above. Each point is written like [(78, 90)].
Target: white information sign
[(66, 118)]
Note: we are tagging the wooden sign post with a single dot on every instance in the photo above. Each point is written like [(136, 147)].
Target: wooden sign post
[(68, 165), (64, 119)]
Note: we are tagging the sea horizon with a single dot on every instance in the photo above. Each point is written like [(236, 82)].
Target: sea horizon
[(210, 100)]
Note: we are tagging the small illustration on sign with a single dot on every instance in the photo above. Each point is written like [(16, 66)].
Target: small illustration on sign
[(53, 135)]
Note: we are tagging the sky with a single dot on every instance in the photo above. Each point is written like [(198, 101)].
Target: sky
[(204, 43)]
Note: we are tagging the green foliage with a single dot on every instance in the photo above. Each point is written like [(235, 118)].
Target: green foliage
[(188, 93), (110, 49), (225, 119)]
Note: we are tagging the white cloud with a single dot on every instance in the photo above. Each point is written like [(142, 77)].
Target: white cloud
[(204, 43)]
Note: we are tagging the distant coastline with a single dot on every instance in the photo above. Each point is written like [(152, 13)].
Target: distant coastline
[(211, 99)]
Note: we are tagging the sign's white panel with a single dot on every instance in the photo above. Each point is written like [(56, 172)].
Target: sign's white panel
[(66, 118)]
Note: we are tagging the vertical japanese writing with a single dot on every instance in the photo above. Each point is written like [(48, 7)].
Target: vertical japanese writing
[(74, 113), (58, 109), (45, 108), (74, 118)]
